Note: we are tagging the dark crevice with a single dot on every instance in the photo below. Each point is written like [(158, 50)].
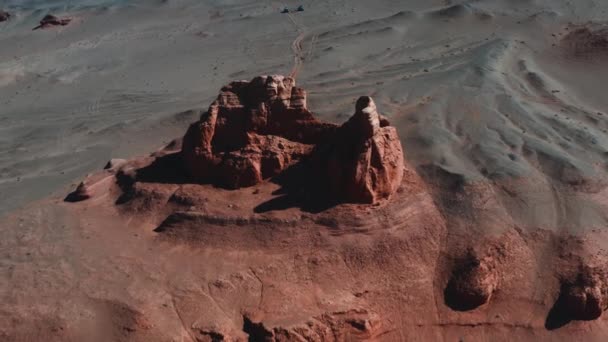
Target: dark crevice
[(256, 331)]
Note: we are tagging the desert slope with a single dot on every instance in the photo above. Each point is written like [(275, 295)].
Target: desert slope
[(153, 249)]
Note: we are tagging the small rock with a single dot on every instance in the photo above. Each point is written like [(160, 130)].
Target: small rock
[(80, 194), (4, 16), (51, 20), (254, 130)]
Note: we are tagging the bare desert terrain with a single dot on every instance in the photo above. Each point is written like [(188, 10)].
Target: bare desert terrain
[(467, 201)]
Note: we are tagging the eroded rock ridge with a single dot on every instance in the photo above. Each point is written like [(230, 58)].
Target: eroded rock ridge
[(257, 129)]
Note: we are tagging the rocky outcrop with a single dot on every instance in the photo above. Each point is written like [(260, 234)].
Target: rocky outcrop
[(51, 20), (81, 193), (263, 157), (256, 130), (583, 41), (583, 296), (4, 16), (586, 297), (252, 131), (473, 282), (350, 325), (364, 163)]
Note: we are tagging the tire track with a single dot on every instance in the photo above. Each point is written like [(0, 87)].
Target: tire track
[(299, 55), (296, 46), (313, 42)]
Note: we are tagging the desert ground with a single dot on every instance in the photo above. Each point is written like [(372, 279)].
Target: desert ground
[(501, 112)]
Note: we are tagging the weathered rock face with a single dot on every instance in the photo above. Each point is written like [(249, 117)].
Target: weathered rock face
[(252, 131), (263, 157), (583, 40), (350, 325), (472, 283), (587, 297), (364, 164), (256, 130)]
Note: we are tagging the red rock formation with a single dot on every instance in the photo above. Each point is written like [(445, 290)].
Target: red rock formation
[(81, 193), (252, 131), (364, 164), (51, 20), (255, 130), (263, 157)]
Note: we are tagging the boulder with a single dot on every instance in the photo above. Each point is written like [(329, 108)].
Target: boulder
[(472, 284), (586, 297), (4, 16)]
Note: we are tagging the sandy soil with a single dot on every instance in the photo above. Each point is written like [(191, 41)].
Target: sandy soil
[(500, 108)]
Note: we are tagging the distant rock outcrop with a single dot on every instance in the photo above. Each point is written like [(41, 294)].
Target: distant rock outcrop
[(51, 20), (256, 130), (4, 16), (584, 41)]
